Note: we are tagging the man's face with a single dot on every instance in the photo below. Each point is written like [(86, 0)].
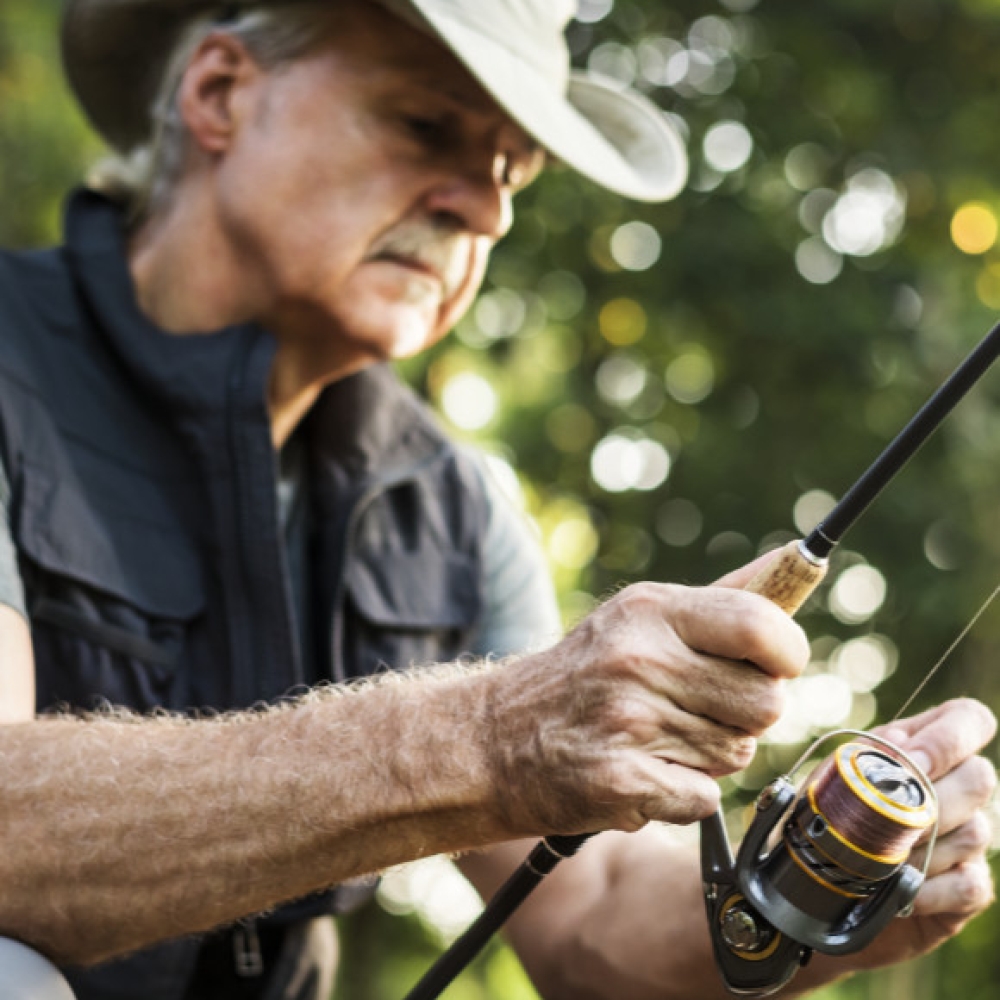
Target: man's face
[(366, 188)]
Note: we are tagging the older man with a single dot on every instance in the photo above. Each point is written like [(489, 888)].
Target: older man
[(215, 494)]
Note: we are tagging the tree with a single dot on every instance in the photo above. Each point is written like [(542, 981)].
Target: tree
[(676, 387)]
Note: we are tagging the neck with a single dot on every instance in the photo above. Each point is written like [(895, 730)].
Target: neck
[(191, 279)]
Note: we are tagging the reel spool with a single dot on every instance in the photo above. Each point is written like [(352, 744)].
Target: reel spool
[(832, 878)]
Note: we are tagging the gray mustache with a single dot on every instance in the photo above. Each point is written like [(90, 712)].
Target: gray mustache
[(434, 244)]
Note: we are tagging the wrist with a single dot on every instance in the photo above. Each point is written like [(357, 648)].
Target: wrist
[(423, 750)]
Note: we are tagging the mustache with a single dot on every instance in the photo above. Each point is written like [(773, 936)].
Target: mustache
[(438, 245)]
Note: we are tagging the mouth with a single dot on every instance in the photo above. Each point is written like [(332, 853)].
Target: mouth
[(411, 264)]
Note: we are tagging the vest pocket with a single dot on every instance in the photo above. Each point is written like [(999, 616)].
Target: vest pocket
[(111, 601), (111, 637), (409, 607)]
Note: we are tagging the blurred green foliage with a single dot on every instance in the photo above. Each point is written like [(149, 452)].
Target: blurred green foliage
[(669, 382)]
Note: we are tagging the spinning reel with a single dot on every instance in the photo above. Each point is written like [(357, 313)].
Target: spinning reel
[(837, 871), (822, 869)]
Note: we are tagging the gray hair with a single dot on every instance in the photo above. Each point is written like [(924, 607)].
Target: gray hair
[(144, 179)]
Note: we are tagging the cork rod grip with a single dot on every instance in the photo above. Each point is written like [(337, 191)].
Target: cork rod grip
[(789, 579)]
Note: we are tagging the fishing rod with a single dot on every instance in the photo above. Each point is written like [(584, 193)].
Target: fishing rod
[(839, 873)]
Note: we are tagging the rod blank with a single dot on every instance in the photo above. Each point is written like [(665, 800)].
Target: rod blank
[(857, 499)]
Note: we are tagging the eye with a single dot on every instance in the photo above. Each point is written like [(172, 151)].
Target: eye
[(522, 167), (427, 129)]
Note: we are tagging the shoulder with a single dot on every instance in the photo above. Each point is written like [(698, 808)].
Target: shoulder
[(521, 611), (38, 299), (34, 275)]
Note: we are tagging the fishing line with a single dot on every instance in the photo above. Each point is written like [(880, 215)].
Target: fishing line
[(947, 653)]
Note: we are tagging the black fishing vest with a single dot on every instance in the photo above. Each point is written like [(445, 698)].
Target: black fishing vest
[(145, 516)]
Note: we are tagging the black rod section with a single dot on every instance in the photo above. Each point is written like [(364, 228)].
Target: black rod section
[(829, 532), (544, 857), (820, 542)]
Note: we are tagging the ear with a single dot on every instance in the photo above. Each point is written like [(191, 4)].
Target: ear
[(215, 88)]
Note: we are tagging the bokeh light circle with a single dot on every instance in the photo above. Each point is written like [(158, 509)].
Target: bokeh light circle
[(974, 228), (727, 146), (857, 594), (469, 401)]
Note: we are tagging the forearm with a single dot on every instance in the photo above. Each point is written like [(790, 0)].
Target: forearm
[(626, 919), (116, 834), (119, 832)]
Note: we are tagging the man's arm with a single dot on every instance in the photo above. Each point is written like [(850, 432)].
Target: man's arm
[(626, 917), (17, 668), (116, 833), (17, 665)]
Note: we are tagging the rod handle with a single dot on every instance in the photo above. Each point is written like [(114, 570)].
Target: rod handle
[(790, 578)]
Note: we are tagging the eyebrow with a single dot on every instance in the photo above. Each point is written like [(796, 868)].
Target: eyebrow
[(452, 93), (482, 106)]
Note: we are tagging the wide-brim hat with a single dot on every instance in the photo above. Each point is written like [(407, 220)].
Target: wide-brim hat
[(115, 53)]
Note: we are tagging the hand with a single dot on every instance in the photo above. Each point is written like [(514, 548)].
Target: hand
[(946, 739), (631, 716)]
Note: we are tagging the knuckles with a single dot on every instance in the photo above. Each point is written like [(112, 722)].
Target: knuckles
[(632, 717), (743, 752), (770, 705), (979, 717), (639, 600), (728, 751), (980, 778), (766, 636), (977, 834), (975, 889)]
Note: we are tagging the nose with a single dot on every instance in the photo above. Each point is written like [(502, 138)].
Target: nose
[(478, 196)]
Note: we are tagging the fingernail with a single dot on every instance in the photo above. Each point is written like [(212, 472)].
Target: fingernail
[(921, 760)]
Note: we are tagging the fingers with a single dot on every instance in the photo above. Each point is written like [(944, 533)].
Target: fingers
[(963, 792), (734, 694), (698, 742), (968, 843), (676, 794), (944, 741), (961, 891), (942, 738), (738, 625), (630, 717)]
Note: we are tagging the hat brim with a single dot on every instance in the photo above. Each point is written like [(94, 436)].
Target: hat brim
[(619, 139)]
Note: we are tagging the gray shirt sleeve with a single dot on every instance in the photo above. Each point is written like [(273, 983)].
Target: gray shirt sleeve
[(521, 612), (11, 586)]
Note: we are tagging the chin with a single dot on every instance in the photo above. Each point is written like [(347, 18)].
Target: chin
[(410, 343), (405, 333)]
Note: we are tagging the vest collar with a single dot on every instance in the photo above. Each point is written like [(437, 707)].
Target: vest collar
[(191, 374), (369, 424), (373, 427)]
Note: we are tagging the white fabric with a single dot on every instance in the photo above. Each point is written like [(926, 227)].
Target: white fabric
[(516, 50), (25, 975)]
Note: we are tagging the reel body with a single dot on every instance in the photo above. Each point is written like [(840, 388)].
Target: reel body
[(821, 869)]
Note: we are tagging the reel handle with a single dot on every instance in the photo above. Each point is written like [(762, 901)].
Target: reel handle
[(753, 957)]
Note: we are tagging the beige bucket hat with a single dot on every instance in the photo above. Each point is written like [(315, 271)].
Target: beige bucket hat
[(115, 50)]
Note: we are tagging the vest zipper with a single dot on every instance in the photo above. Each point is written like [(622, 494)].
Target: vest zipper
[(248, 958), (259, 673), (244, 666)]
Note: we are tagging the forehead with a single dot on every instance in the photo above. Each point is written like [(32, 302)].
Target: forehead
[(389, 53)]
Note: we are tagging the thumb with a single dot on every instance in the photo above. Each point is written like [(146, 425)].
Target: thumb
[(739, 578)]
